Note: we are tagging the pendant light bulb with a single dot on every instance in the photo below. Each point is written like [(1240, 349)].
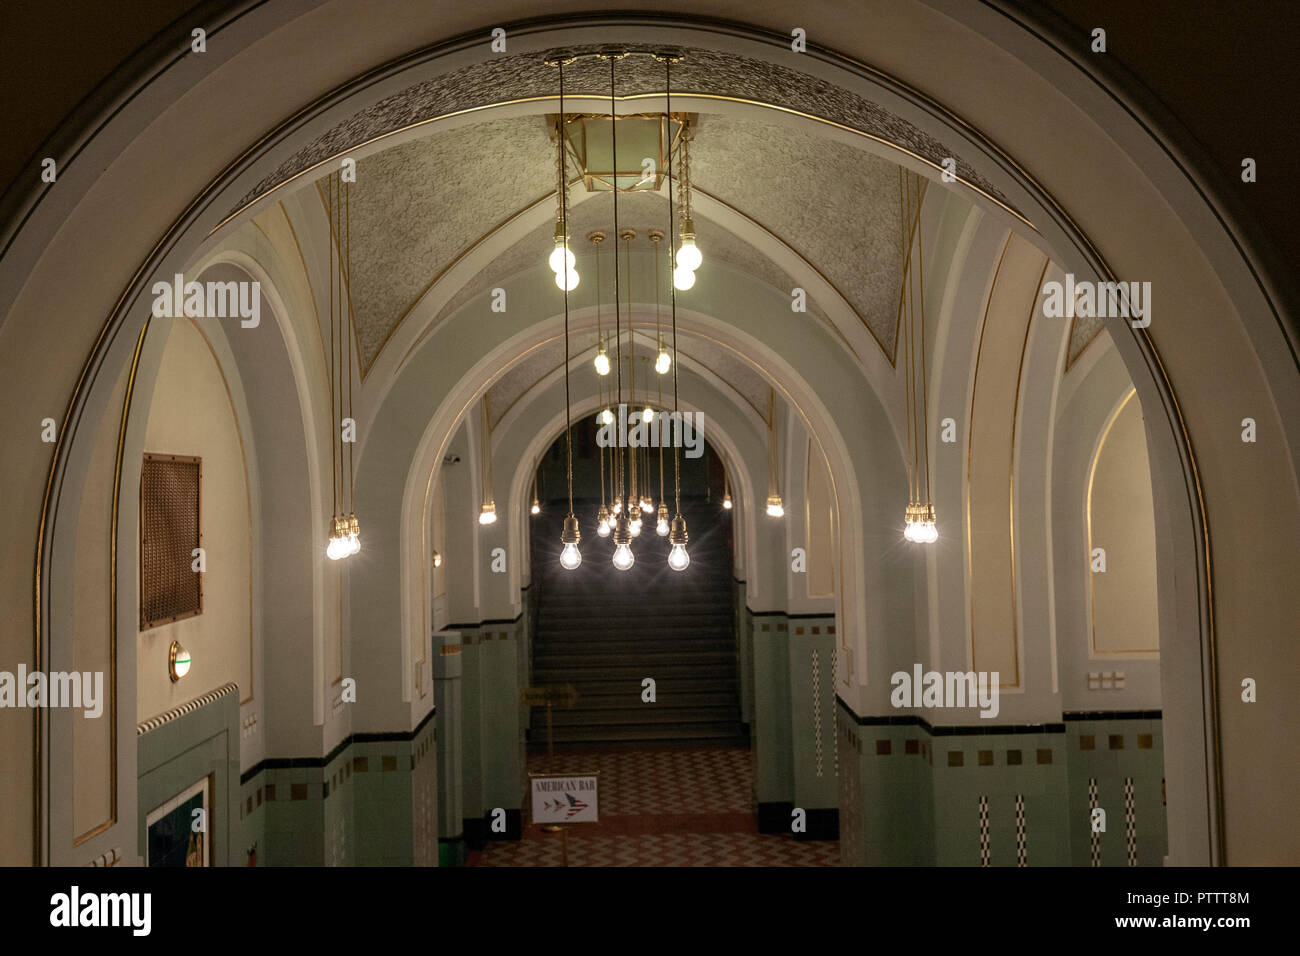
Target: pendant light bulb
[(664, 361), (688, 255), (602, 368), (338, 543), (567, 280), (602, 528), (647, 505), (661, 525), (607, 417), (488, 513), (562, 257), (634, 527), (683, 279), (726, 501), (648, 415), (354, 535), (536, 508), (921, 527), (623, 558), (774, 507), (570, 557), (678, 559)]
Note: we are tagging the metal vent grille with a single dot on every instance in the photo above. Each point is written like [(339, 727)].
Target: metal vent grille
[(169, 533)]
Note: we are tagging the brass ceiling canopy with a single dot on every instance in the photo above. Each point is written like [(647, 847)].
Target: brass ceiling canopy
[(645, 142)]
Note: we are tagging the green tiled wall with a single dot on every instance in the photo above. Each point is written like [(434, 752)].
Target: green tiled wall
[(1119, 749), (911, 796), (179, 753)]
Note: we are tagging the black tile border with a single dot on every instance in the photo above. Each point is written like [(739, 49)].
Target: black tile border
[(965, 730), (284, 763), (1112, 715)]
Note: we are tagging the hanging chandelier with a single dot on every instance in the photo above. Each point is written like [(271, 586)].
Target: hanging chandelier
[(919, 518), (626, 498), (688, 254), (345, 531), (570, 556), (775, 508)]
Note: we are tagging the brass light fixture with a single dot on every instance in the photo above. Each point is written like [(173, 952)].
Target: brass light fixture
[(562, 259), (594, 142), (678, 559), (345, 530), (919, 518), (688, 254), (570, 556), (488, 510), (775, 508), (178, 661)]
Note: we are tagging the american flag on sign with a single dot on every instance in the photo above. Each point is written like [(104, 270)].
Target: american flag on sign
[(575, 805)]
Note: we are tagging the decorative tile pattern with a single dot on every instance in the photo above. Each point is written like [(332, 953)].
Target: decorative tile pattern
[(817, 710), (662, 808), (835, 664), (587, 848), (1130, 823), (984, 831), (1022, 844), (1094, 838)]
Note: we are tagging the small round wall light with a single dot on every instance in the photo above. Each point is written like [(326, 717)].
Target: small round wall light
[(178, 661)]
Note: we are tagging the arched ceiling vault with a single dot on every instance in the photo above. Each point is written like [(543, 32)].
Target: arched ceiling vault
[(443, 210)]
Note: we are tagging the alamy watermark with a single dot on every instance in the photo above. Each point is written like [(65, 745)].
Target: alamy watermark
[(1101, 300), (950, 689), (56, 689), (208, 300), (662, 430)]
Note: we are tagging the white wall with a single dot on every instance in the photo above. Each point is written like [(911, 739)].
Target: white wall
[(191, 414)]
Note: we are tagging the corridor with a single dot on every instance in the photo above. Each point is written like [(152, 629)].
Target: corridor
[(662, 808)]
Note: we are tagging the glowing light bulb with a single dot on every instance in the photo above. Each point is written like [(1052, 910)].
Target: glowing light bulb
[(683, 279), (561, 254), (488, 513), (689, 256), (536, 508), (661, 527), (726, 501), (623, 558), (336, 549), (354, 543), (602, 363), (648, 415), (647, 505), (567, 280), (602, 528), (663, 363), (634, 526), (774, 507), (570, 557), (926, 533), (678, 559), (607, 417)]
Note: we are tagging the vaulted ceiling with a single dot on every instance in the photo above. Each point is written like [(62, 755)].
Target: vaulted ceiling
[(817, 205)]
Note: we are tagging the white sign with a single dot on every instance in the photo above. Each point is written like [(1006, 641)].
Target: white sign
[(559, 799)]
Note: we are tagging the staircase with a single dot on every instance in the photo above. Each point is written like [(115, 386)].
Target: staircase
[(604, 631)]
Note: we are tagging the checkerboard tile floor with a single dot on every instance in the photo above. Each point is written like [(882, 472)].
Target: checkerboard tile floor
[(662, 808)]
